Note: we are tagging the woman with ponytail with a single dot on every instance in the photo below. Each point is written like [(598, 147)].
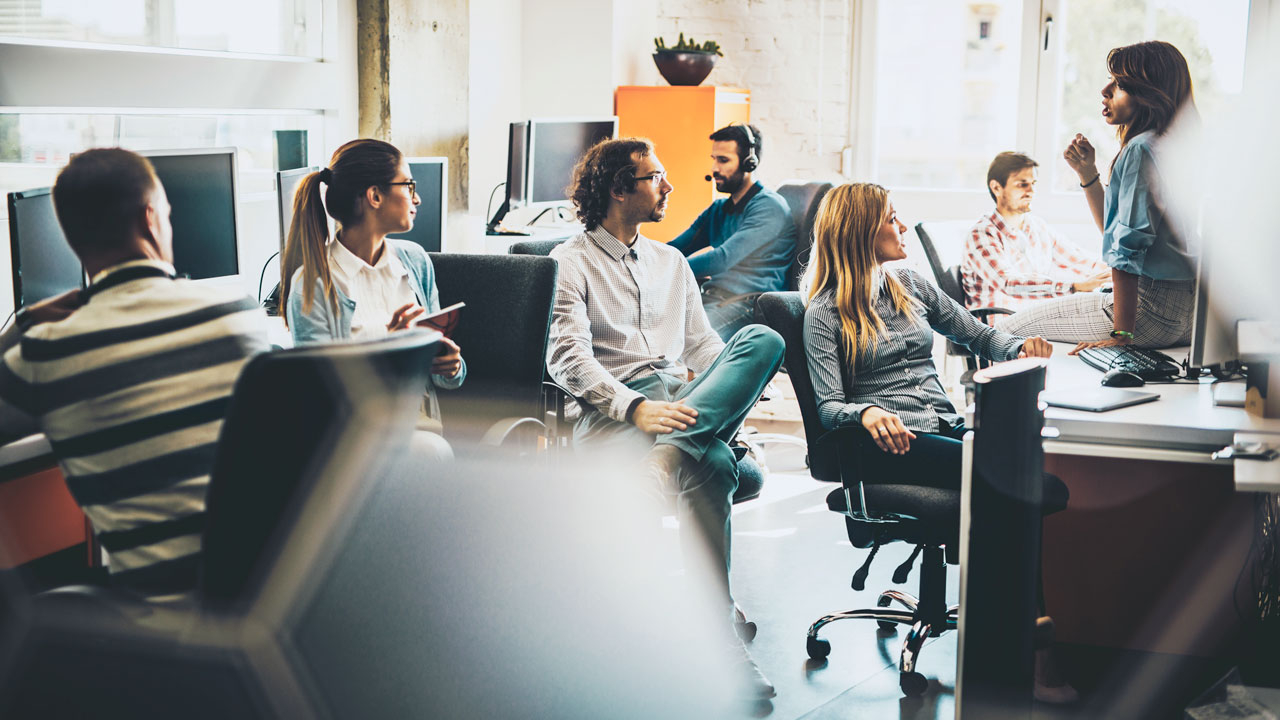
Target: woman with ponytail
[(1153, 263), (360, 283)]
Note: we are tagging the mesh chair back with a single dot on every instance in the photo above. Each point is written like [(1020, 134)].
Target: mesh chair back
[(947, 277), (803, 199), (503, 335), (534, 247), (784, 313), (286, 411)]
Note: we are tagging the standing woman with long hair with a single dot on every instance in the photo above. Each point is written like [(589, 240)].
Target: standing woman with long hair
[(1152, 260), (360, 283)]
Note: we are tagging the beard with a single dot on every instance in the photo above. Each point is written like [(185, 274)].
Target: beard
[(731, 184)]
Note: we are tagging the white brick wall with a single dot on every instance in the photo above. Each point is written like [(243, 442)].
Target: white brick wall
[(793, 55)]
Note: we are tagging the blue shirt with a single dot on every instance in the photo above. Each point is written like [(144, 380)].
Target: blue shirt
[(752, 243), (1137, 236)]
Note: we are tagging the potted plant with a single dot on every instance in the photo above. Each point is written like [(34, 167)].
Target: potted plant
[(688, 63)]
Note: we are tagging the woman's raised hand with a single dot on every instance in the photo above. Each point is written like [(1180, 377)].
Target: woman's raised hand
[(1082, 158), (403, 317)]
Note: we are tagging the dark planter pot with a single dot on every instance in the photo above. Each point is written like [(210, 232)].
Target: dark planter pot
[(684, 68)]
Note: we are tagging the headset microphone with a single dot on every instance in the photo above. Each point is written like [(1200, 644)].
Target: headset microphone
[(707, 178)]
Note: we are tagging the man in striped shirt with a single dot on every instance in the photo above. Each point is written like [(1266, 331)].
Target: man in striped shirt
[(630, 338), (129, 379), (1011, 257)]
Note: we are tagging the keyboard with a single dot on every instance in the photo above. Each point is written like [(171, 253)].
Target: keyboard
[(1147, 364)]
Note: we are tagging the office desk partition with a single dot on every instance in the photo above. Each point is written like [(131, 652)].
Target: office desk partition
[(1149, 553)]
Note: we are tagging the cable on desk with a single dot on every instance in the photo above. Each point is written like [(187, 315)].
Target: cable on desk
[(263, 274), (488, 207)]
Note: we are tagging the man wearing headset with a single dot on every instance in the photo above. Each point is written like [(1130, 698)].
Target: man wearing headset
[(749, 236)]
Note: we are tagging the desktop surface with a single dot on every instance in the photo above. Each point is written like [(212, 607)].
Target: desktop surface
[(1185, 417)]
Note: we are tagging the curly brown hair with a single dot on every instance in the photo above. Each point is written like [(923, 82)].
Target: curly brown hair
[(607, 168)]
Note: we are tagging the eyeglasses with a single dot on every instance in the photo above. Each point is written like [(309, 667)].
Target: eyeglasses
[(655, 178), (411, 184)]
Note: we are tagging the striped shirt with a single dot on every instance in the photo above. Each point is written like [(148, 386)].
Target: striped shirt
[(623, 313), (899, 375), (1009, 267), (131, 390)]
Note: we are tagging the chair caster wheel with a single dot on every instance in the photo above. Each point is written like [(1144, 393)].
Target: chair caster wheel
[(913, 684), (818, 648), (885, 625), (746, 630)]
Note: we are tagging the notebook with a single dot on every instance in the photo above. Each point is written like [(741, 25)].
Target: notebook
[(1096, 399)]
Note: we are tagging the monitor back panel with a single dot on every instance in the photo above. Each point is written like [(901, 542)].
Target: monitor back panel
[(43, 263), (201, 192), (432, 176)]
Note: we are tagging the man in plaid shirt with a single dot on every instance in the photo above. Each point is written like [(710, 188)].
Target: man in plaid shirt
[(1011, 257)]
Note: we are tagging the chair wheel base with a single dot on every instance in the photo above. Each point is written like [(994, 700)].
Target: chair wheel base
[(818, 648), (885, 625), (913, 684)]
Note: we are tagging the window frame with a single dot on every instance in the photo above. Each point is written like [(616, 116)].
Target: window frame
[(1036, 111)]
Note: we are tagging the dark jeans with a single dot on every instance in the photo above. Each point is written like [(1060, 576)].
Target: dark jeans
[(933, 460), (722, 395)]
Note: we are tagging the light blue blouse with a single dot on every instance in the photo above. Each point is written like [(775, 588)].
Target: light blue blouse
[(1137, 236)]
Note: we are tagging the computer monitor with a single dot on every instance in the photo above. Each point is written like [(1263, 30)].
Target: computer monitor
[(541, 155), (202, 190), (1213, 329), (555, 147), (287, 182), (432, 176), (43, 263)]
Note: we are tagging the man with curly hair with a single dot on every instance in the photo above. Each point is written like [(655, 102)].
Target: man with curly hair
[(631, 341)]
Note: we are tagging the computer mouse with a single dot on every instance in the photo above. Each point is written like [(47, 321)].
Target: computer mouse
[(1122, 378)]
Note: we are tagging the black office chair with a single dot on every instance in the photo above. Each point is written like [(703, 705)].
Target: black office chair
[(534, 247), (879, 511), (803, 199), (287, 413), (503, 335), (948, 279)]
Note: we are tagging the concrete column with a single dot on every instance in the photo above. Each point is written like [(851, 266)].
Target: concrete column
[(414, 82)]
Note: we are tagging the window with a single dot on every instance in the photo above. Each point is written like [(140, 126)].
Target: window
[(941, 86), (946, 92), (270, 27), (153, 74)]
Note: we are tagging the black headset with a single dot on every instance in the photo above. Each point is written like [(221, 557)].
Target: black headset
[(750, 162)]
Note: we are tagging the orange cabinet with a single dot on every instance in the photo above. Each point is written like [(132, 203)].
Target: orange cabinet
[(678, 121)]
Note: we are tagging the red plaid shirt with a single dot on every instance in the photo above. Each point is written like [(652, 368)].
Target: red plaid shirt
[(1011, 267)]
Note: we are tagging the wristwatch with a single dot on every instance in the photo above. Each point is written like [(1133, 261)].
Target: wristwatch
[(1122, 334)]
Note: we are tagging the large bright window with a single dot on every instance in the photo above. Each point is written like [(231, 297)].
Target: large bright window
[(946, 92), (173, 74), (941, 86), (271, 27)]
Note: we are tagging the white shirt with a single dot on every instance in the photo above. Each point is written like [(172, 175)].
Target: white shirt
[(378, 290)]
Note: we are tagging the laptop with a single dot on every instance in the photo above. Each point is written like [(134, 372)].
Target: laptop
[(1096, 399)]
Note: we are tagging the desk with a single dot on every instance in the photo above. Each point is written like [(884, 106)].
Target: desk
[(38, 516), (1149, 553)]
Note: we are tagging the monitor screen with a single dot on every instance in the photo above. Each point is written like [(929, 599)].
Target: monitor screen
[(1213, 336), (287, 182), (555, 147), (432, 176), (201, 187), (43, 263)]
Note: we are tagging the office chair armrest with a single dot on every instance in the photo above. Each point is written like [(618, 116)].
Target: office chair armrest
[(503, 430), (985, 313)]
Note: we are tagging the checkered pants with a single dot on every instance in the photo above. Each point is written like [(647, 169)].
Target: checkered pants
[(1163, 319)]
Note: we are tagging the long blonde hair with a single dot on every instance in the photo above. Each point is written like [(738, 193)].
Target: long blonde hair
[(844, 261)]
